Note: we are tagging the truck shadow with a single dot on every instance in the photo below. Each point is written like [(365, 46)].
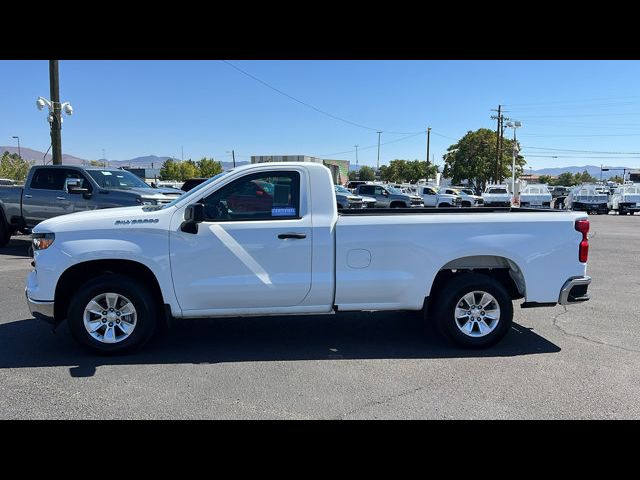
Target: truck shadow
[(344, 336), (18, 246)]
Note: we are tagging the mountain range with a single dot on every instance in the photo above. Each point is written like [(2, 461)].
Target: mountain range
[(154, 161)]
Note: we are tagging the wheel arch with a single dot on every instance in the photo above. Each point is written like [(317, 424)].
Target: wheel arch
[(78, 274)]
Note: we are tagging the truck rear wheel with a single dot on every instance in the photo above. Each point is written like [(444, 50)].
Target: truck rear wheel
[(112, 314), (474, 310)]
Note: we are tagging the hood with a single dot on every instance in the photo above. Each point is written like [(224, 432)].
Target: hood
[(104, 219)]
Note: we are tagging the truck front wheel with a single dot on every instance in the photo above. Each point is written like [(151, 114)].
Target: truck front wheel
[(474, 310), (112, 314)]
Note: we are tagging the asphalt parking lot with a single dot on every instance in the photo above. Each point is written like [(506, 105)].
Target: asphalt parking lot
[(557, 363)]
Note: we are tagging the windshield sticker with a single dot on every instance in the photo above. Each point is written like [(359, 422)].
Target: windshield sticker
[(283, 212), (105, 173)]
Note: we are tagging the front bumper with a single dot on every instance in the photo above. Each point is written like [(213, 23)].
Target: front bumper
[(574, 290), (39, 309)]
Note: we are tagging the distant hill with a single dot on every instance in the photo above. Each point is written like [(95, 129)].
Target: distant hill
[(149, 161)]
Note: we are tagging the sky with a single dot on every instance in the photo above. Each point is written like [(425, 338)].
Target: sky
[(571, 111)]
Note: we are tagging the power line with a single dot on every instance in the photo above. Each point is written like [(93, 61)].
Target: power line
[(375, 145), (551, 102), (335, 117), (579, 151)]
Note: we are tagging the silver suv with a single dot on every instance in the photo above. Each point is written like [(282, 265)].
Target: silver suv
[(389, 197)]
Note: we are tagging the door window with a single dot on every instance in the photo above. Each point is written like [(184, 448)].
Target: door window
[(261, 196)]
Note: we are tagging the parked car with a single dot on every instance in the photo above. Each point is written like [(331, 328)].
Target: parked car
[(389, 197), (626, 201), (191, 183), (585, 198), (54, 190), (346, 199), (497, 196), (467, 197), (535, 196), (354, 184), (432, 198), (7, 181), (462, 270)]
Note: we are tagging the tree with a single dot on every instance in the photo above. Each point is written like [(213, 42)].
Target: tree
[(566, 179), (208, 167), (188, 169), (473, 158), (97, 163), (584, 177), (545, 179), (169, 170), (367, 173), (401, 171), (617, 179), (14, 167)]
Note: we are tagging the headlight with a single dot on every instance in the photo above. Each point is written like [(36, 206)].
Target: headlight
[(42, 241)]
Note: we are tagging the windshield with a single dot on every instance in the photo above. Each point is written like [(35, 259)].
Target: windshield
[(497, 190), (195, 190), (468, 192), (117, 179), (395, 191), (341, 189)]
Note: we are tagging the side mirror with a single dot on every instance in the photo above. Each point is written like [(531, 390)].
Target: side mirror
[(385, 193), (77, 190), (193, 215)]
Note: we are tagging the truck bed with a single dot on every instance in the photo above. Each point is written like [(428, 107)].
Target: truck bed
[(426, 210)]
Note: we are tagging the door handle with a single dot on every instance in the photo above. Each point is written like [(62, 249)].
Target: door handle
[(28, 196), (298, 236), (61, 198)]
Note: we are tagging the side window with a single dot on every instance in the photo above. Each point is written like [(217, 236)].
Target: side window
[(366, 189), (76, 174), (261, 196), (49, 179), (379, 191)]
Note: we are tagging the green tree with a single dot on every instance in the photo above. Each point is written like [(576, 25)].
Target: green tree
[(367, 173), (188, 169), (14, 167), (411, 171), (97, 163), (208, 167), (545, 179), (473, 158), (617, 179), (566, 179), (169, 170), (584, 177)]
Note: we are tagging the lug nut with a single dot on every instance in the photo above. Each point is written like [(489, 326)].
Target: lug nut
[(104, 320), (104, 312), (111, 324)]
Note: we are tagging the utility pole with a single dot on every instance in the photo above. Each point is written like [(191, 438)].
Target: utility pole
[(498, 128), (378, 152), (19, 154), (233, 155), (428, 141), (356, 156), (56, 138)]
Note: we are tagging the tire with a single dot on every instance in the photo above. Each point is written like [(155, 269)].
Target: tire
[(451, 296), (143, 320), (397, 205), (444, 205), (5, 231), (466, 204)]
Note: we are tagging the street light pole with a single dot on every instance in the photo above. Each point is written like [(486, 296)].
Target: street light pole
[(19, 154), (356, 156), (56, 123), (428, 141), (378, 152)]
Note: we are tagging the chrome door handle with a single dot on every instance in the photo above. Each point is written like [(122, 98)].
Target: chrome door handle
[(61, 198), (298, 236), (28, 196)]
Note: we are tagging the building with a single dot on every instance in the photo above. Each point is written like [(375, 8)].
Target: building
[(339, 168), (634, 176), (146, 174)]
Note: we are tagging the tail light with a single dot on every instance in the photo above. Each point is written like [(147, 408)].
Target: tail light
[(582, 226)]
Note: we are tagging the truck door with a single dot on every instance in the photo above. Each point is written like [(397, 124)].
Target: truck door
[(252, 251), (429, 197), (45, 197)]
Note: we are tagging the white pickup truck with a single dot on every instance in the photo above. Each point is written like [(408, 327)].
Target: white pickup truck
[(267, 239)]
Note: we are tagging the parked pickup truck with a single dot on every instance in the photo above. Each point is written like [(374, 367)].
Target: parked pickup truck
[(586, 198), (387, 196), (497, 196), (60, 189), (535, 196), (267, 239)]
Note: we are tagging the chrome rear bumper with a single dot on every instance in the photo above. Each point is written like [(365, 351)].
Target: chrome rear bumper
[(574, 290)]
